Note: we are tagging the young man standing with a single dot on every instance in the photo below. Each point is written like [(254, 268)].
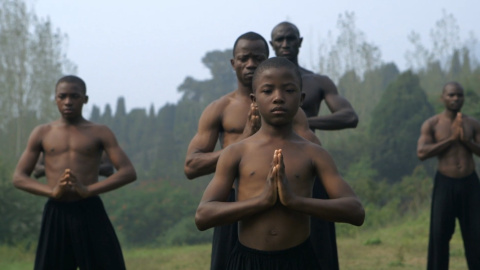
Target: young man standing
[(453, 138), (76, 231)]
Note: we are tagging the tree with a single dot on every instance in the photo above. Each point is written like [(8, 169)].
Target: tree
[(32, 58), (351, 51), (396, 125)]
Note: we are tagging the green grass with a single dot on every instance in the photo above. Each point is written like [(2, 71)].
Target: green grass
[(398, 246)]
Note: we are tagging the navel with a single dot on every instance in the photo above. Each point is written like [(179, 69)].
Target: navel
[(273, 232), (252, 173)]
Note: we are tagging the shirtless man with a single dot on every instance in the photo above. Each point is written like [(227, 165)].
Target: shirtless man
[(286, 42), (230, 119), (453, 138), (274, 201), (76, 231)]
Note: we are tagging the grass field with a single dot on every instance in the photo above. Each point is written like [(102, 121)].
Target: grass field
[(402, 246)]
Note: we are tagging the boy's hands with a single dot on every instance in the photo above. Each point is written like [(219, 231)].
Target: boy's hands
[(285, 194), (270, 192), (62, 185), (68, 181), (277, 187)]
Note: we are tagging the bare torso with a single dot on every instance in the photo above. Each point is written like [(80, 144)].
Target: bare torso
[(457, 160), (278, 227), (233, 118), (74, 147)]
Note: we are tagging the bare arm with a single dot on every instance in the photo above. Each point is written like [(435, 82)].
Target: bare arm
[(213, 209), (343, 205), (426, 145), (26, 165), (342, 113), (473, 143), (125, 172), (106, 168), (201, 159)]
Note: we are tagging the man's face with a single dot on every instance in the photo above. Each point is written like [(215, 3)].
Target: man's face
[(278, 95), (247, 56), (70, 99), (286, 42), (452, 97)]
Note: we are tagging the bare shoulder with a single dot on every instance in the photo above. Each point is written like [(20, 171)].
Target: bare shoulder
[(220, 104), (472, 121), (432, 121), (322, 81)]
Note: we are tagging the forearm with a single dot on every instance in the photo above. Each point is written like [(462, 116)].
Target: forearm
[(346, 209), (199, 164), (120, 178), (216, 213), (338, 120), (472, 146), (426, 151), (32, 186)]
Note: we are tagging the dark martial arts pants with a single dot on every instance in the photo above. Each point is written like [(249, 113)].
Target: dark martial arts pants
[(322, 234), (454, 198), (300, 257), (224, 239), (77, 234)]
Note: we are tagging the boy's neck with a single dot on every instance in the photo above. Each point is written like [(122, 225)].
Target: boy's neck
[(72, 121), (279, 132)]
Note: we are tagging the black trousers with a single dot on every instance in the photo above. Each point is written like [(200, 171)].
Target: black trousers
[(224, 239), (454, 198), (322, 234), (77, 234), (300, 257)]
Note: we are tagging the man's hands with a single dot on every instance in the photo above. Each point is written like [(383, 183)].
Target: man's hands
[(277, 186), (69, 182), (458, 132), (253, 122)]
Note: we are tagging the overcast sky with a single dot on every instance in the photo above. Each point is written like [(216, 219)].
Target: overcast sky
[(142, 50)]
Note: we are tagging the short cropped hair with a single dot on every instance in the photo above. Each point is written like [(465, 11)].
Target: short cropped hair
[(277, 62), (252, 36), (73, 79), (289, 24), (453, 83)]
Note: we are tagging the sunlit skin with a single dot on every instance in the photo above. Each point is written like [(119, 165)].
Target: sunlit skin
[(233, 117), (72, 149), (286, 42), (273, 171), (451, 136)]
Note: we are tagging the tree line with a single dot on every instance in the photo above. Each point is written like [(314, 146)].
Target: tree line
[(378, 158)]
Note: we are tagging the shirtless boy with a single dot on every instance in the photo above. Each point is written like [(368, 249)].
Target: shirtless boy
[(273, 172), (229, 119), (453, 138), (76, 231), (286, 42)]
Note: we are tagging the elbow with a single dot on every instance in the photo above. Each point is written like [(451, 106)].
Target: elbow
[(189, 172), (17, 181), (200, 221), (358, 214), (421, 155), (352, 121)]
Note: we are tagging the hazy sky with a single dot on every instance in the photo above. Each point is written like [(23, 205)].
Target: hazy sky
[(142, 50)]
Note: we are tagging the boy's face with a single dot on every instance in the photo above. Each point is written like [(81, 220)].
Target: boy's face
[(247, 56), (70, 99), (278, 95)]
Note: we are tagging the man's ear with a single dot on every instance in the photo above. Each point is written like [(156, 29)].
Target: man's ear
[(86, 100), (271, 43), (300, 42), (231, 62), (252, 97), (302, 97)]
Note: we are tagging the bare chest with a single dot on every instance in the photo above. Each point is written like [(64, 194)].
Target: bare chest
[(70, 140)]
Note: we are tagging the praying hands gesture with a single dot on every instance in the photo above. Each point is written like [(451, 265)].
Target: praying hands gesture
[(277, 185), (253, 121), (68, 182)]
